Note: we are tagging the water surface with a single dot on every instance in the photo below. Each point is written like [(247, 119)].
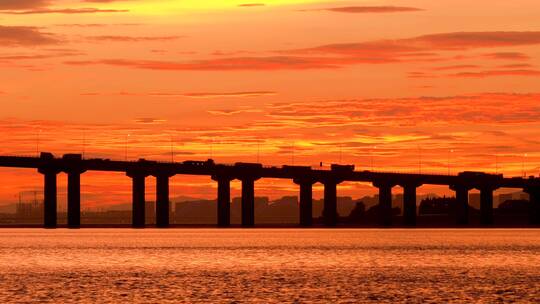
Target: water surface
[(270, 265)]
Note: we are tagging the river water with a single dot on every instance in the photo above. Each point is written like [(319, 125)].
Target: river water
[(270, 265)]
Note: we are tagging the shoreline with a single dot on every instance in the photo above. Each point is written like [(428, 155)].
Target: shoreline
[(271, 226)]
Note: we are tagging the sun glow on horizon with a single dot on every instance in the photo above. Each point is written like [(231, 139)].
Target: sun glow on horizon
[(190, 6)]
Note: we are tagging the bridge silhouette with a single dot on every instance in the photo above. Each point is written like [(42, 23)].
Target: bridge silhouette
[(304, 176)]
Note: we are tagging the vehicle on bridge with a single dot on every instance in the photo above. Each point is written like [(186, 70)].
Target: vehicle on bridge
[(208, 162), (342, 168), (46, 155), (248, 165), (472, 174), (72, 156)]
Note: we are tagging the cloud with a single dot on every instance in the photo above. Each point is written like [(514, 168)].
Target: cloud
[(22, 4), (507, 56), (44, 53), (332, 56), (194, 95), (92, 25), (455, 67), (441, 42), (480, 108), (251, 4), (232, 112), (133, 38), (368, 9), (230, 94), (492, 73), (149, 120), (88, 10), (516, 66), (240, 63), (25, 36)]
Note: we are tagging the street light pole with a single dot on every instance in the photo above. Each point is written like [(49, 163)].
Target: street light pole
[(37, 141), (83, 144), (419, 159), (448, 159), (292, 153), (172, 149), (126, 147), (371, 154), (523, 165), (258, 151)]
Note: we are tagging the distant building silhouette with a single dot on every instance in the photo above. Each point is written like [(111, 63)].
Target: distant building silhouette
[(358, 214), (437, 205), (150, 212), (505, 197), (474, 200), (373, 212), (514, 207), (30, 212)]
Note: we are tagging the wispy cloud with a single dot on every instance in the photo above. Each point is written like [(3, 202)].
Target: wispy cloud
[(251, 4), (149, 120), (25, 36), (508, 56), (193, 94), (332, 56), (368, 9), (22, 4), (112, 38), (88, 10), (493, 73), (229, 94)]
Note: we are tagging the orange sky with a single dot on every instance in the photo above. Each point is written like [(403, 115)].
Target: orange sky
[(450, 84)]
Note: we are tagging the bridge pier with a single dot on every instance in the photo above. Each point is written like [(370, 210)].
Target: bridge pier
[(462, 204), (409, 204), (534, 204), (74, 198), (330, 214), (138, 198), (385, 203), (248, 202), (306, 201), (162, 200), (223, 200), (486, 206), (50, 196)]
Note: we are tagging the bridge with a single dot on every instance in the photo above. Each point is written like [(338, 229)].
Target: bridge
[(304, 176)]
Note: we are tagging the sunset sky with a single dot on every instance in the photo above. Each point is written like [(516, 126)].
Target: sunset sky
[(413, 85)]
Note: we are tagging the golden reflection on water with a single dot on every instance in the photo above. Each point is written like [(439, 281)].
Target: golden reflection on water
[(270, 265)]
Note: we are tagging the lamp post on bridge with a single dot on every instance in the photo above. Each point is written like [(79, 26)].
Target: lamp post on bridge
[(371, 156), (126, 146), (524, 174), (449, 151), (37, 141)]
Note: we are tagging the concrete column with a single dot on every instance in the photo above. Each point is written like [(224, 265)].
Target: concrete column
[(224, 201), (248, 202), (462, 205), (409, 205), (534, 205), (50, 198), (162, 201), (306, 204), (138, 199), (74, 199), (385, 204), (486, 206), (330, 214)]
